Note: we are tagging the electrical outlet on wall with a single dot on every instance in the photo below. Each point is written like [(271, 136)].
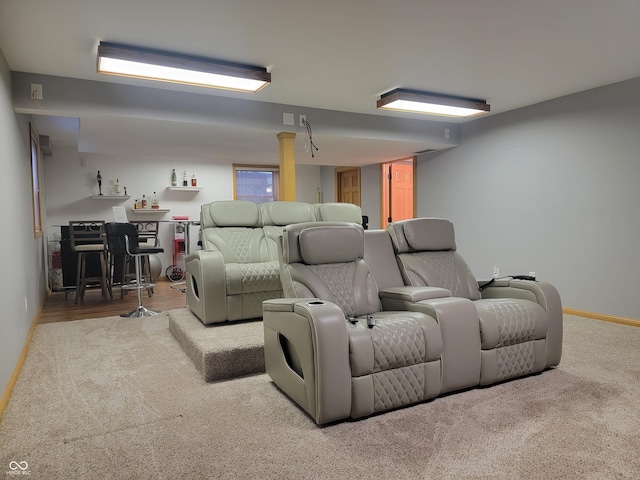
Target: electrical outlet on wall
[(303, 118)]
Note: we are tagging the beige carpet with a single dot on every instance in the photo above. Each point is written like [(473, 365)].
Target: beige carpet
[(221, 351), (117, 398)]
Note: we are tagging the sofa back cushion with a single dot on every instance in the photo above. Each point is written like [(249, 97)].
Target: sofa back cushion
[(426, 253), (338, 212), (237, 244), (324, 260), (285, 213), (381, 259), (234, 228), (275, 215), (230, 213)]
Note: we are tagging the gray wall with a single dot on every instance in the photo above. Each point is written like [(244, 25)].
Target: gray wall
[(21, 255), (550, 188)]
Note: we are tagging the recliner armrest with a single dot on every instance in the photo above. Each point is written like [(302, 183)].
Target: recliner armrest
[(413, 294), (206, 285), (545, 295), (524, 289), (307, 355)]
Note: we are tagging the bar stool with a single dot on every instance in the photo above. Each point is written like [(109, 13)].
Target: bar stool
[(147, 233), (120, 263), (125, 236), (87, 237)]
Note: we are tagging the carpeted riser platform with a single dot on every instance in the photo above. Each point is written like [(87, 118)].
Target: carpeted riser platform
[(221, 351)]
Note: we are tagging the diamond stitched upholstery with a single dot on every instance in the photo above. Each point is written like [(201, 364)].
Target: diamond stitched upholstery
[(338, 277), (516, 322), (441, 270), (397, 342), (239, 241), (515, 360), (397, 387), (254, 277)]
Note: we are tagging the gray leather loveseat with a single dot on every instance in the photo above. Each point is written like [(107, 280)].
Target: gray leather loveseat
[(376, 320), (237, 268)]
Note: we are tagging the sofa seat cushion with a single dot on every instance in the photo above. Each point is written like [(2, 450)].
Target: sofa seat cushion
[(395, 363), (513, 334), (399, 339), (252, 277), (508, 321)]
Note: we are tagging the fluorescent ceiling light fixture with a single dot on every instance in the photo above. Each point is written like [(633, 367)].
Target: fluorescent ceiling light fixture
[(127, 61), (432, 104)]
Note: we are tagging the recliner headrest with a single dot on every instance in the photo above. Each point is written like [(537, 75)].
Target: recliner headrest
[(230, 213), (316, 244), (285, 213), (423, 234)]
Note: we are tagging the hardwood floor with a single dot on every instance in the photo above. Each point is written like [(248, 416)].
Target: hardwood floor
[(61, 307)]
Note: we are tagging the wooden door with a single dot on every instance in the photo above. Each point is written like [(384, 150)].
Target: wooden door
[(348, 185), (401, 191), (398, 196)]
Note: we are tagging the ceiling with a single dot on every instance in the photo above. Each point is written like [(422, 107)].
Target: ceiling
[(333, 55)]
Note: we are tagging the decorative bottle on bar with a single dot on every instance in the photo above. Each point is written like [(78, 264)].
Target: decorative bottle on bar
[(99, 177)]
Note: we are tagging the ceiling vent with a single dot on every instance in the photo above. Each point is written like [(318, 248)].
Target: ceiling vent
[(45, 145)]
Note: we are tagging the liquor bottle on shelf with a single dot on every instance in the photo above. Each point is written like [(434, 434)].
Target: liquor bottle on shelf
[(154, 201), (194, 181), (145, 203), (185, 182), (136, 204), (174, 178)]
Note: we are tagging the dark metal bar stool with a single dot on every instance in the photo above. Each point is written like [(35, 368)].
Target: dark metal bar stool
[(147, 234), (124, 237)]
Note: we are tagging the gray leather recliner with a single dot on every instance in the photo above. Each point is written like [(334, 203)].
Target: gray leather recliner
[(321, 347), (520, 322)]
